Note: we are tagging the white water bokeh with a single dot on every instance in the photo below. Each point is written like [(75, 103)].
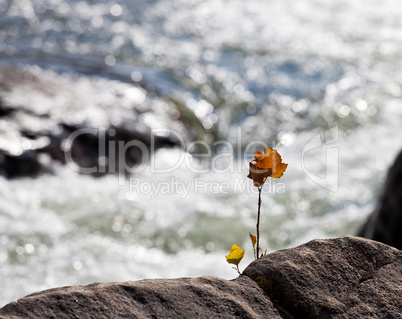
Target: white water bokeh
[(267, 70)]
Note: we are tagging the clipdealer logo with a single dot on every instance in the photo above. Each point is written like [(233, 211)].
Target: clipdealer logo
[(200, 185), (330, 178), (113, 154)]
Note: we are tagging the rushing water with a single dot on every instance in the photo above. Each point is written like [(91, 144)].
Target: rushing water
[(281, 72)]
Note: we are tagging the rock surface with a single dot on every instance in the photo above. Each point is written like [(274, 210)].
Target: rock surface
[(204, 297), (385, 223), (334, 278), (348, 277)]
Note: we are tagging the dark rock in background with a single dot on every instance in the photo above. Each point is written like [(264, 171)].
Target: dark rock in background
[(385, 223), (348, 277), (39, 110)]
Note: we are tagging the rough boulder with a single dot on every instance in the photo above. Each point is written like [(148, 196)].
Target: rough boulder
[(349, 277)]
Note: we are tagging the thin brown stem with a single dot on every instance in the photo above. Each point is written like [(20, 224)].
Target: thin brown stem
[(258, 222)]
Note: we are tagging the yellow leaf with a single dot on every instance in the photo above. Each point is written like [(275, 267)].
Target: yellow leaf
[(253, 239), (235, 256)]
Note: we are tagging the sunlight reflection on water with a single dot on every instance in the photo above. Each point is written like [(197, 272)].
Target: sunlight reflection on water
[(279, 70)]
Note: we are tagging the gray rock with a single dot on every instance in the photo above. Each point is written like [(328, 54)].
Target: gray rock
[(204, 297), (385, 223), (348, 277)]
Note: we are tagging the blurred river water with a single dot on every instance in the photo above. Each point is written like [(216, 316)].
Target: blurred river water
[(320, 80)]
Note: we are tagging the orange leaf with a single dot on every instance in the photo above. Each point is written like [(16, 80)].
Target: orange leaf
[(266, 165), (253, 239), (278, 168)]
